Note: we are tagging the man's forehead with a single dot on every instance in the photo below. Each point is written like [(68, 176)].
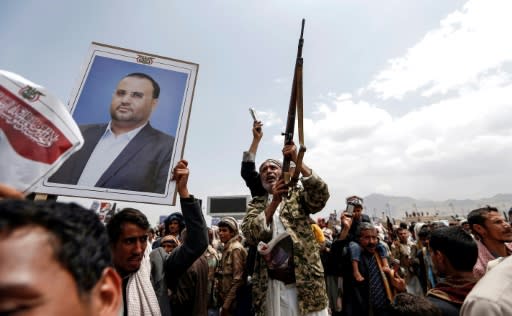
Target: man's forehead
[(270, 164), (491, 216), (136, 83), (132, 229), (369, 232)]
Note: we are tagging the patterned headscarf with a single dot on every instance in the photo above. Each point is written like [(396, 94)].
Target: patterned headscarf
[(274, 161), (230, 222)]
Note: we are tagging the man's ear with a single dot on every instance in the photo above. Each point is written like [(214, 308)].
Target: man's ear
[(154, 103), (479, 229), (438, 259), (107, 294), (440, 256)]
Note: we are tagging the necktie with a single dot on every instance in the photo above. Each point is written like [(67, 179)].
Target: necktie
[(377, 294)]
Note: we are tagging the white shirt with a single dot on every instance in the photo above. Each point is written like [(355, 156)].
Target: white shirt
[(491, 295), (106, 151), (281, 299)]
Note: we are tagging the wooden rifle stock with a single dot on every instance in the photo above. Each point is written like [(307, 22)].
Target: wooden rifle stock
[(295, 109)]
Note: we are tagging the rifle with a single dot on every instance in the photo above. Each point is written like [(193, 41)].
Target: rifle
[(391, 232), (295, 108)]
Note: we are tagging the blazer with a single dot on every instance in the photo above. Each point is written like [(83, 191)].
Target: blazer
[(143, 165)]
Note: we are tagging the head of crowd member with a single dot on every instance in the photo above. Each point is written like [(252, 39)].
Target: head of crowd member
[(412, 233), (228, 228), (424, 235), (133, 101), (169, 243), (356, 204), (406, 304), (453, 251), (510, 215), (128, 234), (174, 224), (270, 171), (437, 224), (55, 261), (368, 237), (403, 235), (489, 225), (151, 234), (416, 230), (465, 225)]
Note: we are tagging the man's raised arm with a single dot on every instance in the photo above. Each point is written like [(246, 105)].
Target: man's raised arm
[(196, 241)]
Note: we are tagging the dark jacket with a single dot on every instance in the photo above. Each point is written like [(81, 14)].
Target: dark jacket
[(189, 292), (446, 308), (183, 257), (252, 178), (143, 165), (356, 295), (157, 258)]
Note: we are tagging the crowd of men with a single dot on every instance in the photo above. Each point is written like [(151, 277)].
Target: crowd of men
[(59, 259)]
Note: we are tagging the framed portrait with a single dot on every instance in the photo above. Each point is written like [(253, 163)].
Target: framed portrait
[(133, 110)]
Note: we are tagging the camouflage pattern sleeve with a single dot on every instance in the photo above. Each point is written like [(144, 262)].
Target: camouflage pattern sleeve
[(254, 226), (315, 194)]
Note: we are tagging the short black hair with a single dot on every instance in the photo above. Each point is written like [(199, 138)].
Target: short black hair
[(407, 304), (224, 224), (424, 232), (126, 215), (478, 216), (80, 241), (156, 86), (456, 245)]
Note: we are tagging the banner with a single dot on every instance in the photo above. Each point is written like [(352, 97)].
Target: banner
[(37, 133)]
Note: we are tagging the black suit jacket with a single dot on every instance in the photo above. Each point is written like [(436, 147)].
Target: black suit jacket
[(143, 165)]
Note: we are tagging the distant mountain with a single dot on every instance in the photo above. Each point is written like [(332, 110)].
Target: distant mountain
[(396, 206)]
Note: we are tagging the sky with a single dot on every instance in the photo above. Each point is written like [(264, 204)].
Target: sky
[(404, 98)]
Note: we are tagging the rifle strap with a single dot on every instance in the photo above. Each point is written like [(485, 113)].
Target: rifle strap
[(300, 125), (390, 293)]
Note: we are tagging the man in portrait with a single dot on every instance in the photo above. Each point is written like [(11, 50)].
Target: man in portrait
[(126, 153)]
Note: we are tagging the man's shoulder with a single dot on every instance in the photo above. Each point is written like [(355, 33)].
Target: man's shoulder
[(447, 308), (92, 127), (235, 244), (150, 130)]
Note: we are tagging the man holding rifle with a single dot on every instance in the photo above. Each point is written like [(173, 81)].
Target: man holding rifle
[(298, 288)]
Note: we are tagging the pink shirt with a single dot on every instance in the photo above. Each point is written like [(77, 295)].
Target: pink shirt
[(484, 256)]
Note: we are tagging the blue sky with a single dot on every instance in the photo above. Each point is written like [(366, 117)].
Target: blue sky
[(400, 97)]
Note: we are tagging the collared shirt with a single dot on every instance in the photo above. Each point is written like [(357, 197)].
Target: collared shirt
[(106, 151)]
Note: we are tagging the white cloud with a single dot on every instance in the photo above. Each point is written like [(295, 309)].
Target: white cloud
[(456, 147), (270, 118), (468, 44)]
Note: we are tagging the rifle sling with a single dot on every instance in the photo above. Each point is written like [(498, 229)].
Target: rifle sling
[(300, 125)]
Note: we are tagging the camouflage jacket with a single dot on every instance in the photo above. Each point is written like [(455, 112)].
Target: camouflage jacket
[(294, 214), (232, 266)]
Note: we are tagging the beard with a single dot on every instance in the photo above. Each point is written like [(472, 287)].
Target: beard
[(267, 186)]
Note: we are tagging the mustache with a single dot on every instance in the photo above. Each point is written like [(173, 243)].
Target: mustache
[(135, 257)]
